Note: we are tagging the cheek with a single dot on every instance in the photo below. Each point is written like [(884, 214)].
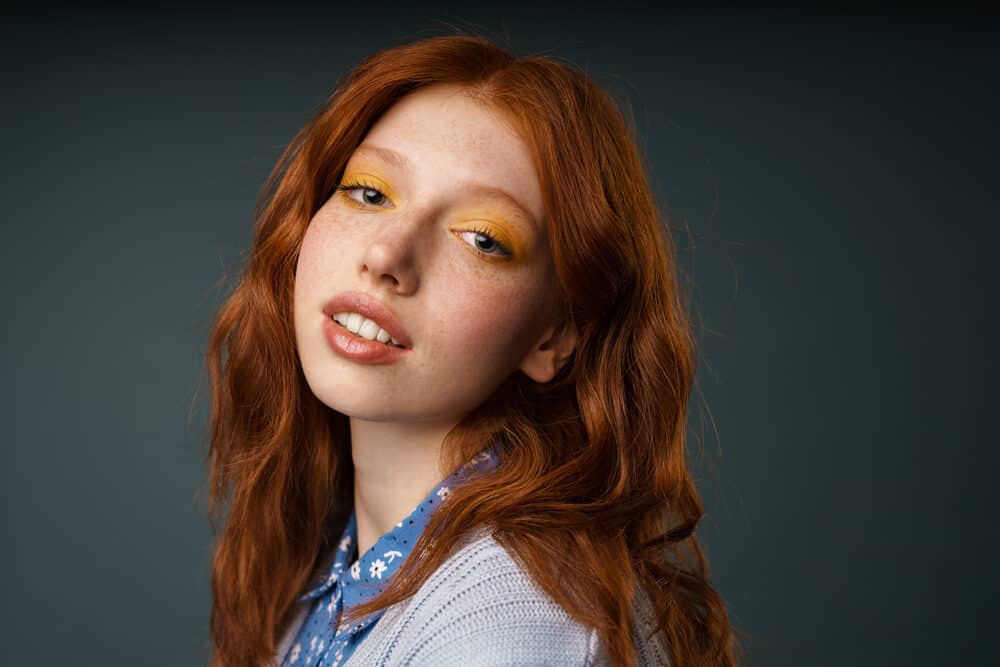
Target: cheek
[(314, 275), (311, 249), (491, 322), (316, 253)]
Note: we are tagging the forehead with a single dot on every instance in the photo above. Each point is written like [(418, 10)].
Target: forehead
[(444, 140)]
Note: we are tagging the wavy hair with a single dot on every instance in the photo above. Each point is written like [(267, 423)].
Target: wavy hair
[(592, 477)]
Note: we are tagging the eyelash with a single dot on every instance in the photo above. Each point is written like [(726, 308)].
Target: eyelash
[(350, 187)]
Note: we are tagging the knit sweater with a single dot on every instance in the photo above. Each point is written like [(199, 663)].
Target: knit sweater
[(480, 608)]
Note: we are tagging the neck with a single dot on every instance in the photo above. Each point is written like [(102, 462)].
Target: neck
[(395, 467)]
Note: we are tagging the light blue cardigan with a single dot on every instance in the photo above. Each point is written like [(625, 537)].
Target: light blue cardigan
[(480, 609)]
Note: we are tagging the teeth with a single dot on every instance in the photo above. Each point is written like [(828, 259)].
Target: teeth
[(364, 327)]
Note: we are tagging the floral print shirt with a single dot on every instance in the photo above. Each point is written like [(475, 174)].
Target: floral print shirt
[(320, 642)]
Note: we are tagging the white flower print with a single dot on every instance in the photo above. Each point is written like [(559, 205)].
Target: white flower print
[(312, 644), (356, 570), (399, 525), (478, 458), (345, 543), (329, 608), (378, 567), (322, 643), (392, 555), (333, 577), (444, 491), (295, 652)]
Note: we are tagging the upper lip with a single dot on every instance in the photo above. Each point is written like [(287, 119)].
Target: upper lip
[(373, 309)]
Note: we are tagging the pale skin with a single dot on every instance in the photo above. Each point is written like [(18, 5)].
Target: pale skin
[(411, 236)]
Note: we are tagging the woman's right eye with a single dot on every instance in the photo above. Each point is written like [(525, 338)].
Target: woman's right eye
[(369, 196)]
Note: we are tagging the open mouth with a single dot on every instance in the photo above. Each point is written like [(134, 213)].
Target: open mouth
[(387, 343)]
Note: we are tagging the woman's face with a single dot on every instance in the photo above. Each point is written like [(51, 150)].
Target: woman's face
[(465, 269)]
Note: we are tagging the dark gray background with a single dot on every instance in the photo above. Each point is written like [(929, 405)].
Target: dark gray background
[(833, 185)]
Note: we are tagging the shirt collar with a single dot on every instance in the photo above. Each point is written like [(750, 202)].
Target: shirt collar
[(369, 574)]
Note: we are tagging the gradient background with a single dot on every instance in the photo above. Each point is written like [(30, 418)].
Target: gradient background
[(833, 184)]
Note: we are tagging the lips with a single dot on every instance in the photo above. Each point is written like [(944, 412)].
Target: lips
[(373, 309)]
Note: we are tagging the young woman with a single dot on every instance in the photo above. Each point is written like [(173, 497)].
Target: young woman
[(450, 389)]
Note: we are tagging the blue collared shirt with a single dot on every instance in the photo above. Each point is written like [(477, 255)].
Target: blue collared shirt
[(319, 643)]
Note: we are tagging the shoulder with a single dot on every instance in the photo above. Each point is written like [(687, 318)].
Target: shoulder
[(481, 608)]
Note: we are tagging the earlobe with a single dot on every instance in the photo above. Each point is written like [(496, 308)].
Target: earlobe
[(551, 353)]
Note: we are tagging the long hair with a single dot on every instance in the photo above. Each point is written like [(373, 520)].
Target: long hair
[(592, 478)]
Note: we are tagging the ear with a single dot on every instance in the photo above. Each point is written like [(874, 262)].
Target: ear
[(551, 351)]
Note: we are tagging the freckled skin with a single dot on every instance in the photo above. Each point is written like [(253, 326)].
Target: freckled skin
[(473, 320)]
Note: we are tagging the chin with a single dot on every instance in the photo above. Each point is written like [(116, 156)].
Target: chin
[(349, 400)]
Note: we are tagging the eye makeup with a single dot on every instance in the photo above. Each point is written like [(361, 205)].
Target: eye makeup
[(369, 180), (498, 220), (494, 223)]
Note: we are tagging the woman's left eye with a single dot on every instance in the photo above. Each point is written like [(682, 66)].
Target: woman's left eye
[(481, 236), (366, 190)]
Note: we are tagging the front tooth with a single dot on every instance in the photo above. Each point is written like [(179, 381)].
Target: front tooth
[(364, 327), (368, 330)]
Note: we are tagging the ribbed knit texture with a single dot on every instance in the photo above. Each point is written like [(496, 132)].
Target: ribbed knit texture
[(480, 608)]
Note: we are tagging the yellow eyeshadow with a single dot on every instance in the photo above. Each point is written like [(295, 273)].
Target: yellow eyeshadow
[(504, 234), (369, 179)]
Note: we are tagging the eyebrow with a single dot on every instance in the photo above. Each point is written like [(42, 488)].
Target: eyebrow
[(387, 154), (402, 162)]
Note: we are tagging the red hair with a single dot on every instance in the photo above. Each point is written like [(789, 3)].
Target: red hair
[(592, 478)]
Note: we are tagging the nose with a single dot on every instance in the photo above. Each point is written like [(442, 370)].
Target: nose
[(393, 254)]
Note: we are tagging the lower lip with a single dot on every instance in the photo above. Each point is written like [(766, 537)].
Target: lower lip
[(357, 348)]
